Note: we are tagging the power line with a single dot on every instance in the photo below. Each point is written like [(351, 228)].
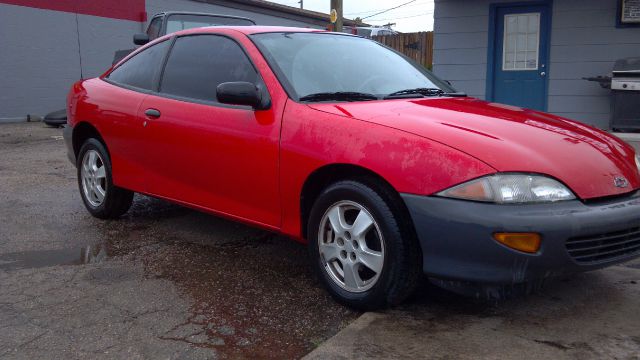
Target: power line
[(409, 13), (372, 11), (384, 11), (398, 18)]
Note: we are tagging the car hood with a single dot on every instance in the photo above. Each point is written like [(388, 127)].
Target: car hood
[(510, 139)]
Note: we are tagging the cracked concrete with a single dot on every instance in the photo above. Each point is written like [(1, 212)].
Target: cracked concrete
[(64, 313), (168, 282), (161, 282)]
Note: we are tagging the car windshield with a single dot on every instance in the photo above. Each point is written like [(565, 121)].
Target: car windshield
[(177, 22), (324, 63)]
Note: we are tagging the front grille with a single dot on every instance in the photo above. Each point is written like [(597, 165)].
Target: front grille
[(601, 248)]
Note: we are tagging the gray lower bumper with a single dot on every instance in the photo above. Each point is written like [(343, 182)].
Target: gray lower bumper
[(457, 243), (67, 134)]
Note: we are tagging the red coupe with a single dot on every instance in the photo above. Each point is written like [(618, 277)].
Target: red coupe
[(342, 143)]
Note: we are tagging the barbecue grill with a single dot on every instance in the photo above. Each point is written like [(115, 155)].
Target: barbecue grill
[(625, 88), (625, 85)]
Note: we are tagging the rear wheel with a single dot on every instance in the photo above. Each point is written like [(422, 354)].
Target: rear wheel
[(101, 198), (359, 248)]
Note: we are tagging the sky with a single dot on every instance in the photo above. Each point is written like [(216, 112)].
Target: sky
[(417, 15)]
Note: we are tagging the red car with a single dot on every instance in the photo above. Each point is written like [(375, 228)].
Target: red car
[(339, 142)]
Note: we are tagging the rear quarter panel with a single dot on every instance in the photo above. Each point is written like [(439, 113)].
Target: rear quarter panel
[(112, 111)]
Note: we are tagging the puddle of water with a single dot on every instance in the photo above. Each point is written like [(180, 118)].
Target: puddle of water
[(45, 258), (251, 299)]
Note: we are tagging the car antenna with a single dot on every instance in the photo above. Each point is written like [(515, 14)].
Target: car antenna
[(79, 52)]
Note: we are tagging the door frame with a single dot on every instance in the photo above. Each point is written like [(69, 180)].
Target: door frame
[(491, 48)]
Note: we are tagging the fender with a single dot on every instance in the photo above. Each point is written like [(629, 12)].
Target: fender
[(406, 161)]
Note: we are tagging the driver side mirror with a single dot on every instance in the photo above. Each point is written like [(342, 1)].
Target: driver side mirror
[(140, 39), (240, 93)]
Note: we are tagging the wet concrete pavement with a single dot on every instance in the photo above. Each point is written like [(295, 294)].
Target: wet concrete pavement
[(161, 282), (168, 282), (587, 316)]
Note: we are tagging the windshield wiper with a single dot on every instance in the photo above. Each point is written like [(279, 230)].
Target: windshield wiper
[(422, 92), (340, 96)]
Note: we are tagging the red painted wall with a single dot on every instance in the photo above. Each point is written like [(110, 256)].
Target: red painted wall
[(116, 9)]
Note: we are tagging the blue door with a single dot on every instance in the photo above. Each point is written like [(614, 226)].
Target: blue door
[(519, 62)]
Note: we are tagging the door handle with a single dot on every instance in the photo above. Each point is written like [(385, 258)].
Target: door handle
[(152, 113)]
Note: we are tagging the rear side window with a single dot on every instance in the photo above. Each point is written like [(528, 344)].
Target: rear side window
[(141, 70), (198, 64)]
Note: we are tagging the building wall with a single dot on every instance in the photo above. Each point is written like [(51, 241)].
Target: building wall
[(584, 43), (43, 49), (41, 55)]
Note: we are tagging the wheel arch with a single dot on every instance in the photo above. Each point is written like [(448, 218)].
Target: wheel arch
[(83, 131), (329, 174)]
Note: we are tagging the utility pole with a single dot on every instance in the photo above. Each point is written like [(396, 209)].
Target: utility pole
[(301, 2), (337, 6)]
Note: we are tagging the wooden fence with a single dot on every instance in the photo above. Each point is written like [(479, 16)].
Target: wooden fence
[(418, 46)]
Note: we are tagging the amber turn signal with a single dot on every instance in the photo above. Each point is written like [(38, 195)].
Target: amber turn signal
[(525, 242)]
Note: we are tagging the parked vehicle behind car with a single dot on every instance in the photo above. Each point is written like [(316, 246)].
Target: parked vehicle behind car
[(160, 25), (385, 171), (172, 21), (369, 31)]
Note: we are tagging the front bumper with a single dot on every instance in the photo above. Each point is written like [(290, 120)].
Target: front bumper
[(457, 243), (67, 134)]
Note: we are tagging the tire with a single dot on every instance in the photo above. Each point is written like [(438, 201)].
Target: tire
[(101, 198), (390, 241)]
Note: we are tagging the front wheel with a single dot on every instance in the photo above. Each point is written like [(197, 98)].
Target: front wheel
[(363, 253), (103, 199)]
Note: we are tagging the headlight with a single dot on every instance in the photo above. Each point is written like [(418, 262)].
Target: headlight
[(638, 162), (511, 189)]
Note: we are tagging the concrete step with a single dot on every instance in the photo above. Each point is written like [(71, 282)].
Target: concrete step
[(439, 325)]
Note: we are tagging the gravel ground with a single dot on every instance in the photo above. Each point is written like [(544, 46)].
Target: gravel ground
[(161, 282)]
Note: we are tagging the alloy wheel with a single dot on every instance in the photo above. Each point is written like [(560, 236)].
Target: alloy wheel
[(351, 246), (94, 178)]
